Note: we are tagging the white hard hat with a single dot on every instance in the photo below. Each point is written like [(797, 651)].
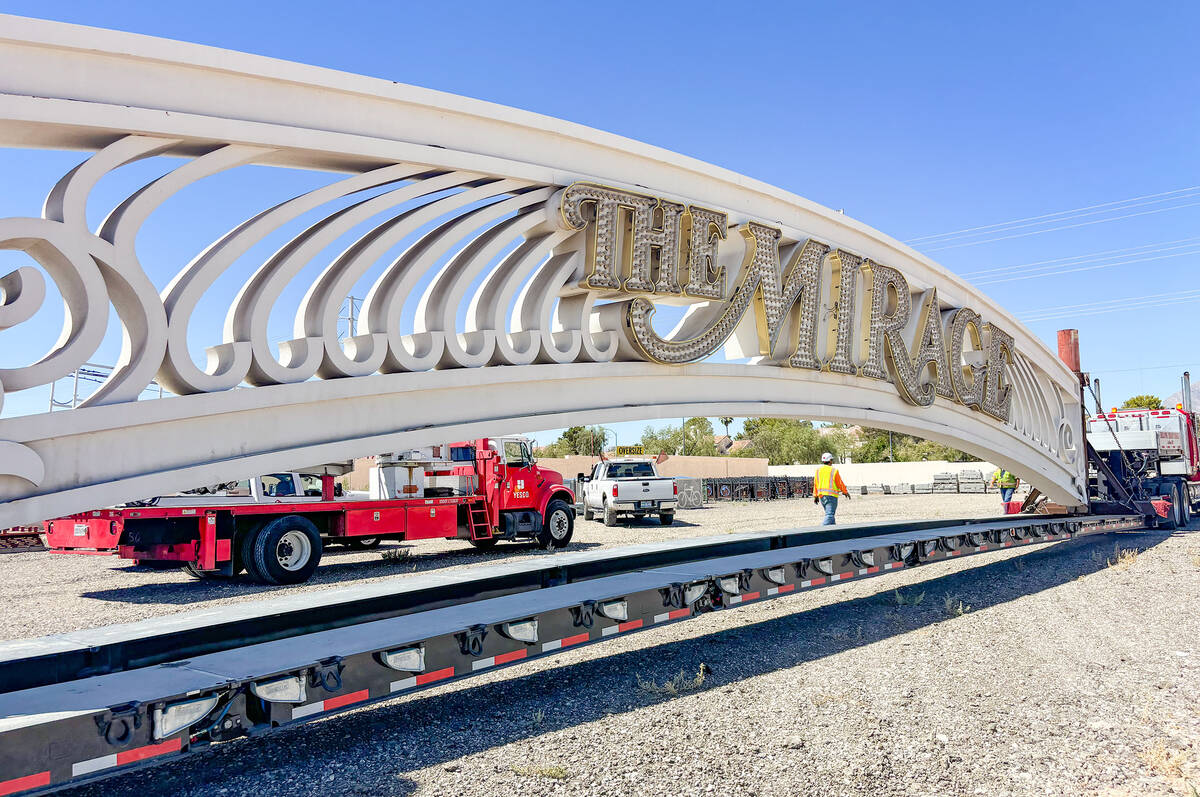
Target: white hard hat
[(827, 457)]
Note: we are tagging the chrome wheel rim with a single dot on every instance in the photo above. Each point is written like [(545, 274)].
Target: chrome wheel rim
[(293, 550), (559, 524)]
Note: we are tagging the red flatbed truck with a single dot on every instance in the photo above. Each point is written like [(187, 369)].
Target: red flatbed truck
[(503, 495)]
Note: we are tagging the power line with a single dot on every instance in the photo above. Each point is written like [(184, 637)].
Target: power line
[(1058, 271), (1063, 227), (1051, 215), (1113, 305), (1101, 255)]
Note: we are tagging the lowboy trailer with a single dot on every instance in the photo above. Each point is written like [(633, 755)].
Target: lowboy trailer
[(87, 705)]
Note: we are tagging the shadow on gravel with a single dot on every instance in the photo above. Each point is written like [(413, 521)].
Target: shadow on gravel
[(331, 572), (378, 747)]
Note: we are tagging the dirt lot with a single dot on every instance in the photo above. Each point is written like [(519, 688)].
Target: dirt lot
[(1062, 669)]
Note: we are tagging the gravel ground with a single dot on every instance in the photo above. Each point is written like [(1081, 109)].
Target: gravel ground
[(52, 593), (1060, 674)]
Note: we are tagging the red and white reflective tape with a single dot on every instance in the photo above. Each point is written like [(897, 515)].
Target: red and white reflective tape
[(733, 600), (565, 642), (621, 628), (813, 582), (329, 704), (500, 658), (955, 553), (868, 571), (125, 757), (893, 565), (33, 781), (675, 614), (781, 589), (422, 679), (840, 577)]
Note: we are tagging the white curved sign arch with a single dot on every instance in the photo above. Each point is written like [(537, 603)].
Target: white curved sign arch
[(558, 242)]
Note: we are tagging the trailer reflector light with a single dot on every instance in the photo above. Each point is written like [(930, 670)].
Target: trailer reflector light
[(615, 610), (406, 659), (776, 575), (177, 716), (521, 630), (694, 592), (288, 689), (728, 584)]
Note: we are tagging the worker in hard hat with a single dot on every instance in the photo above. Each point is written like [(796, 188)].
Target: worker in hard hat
[(1007, 482), (826, 486)]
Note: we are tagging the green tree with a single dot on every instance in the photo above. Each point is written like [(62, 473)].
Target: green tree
[(726, 422), (873, 446), (1145, 401), (668, 439), (698, 438), (783, 441), (579, 440)]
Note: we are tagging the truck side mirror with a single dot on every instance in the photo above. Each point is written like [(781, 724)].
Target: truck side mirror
[(579, 477)]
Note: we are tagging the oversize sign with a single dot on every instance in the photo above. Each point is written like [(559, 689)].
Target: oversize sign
[(644, 246)]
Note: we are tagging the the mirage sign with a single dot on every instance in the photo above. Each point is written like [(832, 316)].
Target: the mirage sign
[(654, 248)]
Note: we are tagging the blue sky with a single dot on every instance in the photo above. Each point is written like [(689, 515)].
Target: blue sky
[(918, 119)]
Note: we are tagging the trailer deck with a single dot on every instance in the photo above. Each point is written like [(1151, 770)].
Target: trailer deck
[(144, 702)]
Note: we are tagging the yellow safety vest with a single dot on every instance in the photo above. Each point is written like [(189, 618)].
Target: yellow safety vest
[(1004, 478), (827, 481)]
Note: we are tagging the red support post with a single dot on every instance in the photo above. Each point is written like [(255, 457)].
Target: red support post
[(1068, 348)]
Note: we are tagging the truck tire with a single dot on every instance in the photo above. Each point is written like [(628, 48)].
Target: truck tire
[(557, 526), (363, 543), (1175, 513), (286, 550), (610, 514), (666, 518), (588, 514)]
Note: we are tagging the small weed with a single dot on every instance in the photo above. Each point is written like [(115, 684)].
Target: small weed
[(1164, 760), (1123, 559), (954, 606), (396, 555), (1019, 564), (677, 685), (554, 772), (538, 717), (908, 600)]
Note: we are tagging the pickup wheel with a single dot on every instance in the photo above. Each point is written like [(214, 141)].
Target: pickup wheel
[(588, 514), (286, 550), (610, 514), (363, 543), (666, 518), (557, 526)]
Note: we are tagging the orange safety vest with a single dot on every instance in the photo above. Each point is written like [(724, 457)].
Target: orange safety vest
[(828, 482)]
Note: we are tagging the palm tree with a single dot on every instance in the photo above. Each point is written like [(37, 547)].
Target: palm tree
[(725, 422)]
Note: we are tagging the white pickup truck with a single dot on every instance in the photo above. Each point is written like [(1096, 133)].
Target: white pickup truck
[(628, 487)]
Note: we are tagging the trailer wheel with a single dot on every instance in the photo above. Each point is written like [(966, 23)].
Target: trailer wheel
[(610, 514), (286, 550), (363, 543), (557, 526)]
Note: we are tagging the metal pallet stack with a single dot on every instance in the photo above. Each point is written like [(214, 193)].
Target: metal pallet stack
[(971, 481), (945, 483)]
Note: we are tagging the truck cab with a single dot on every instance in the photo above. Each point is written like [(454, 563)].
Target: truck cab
[(629, 487)]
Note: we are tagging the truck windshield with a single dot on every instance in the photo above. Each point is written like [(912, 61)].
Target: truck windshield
[(630, 470)]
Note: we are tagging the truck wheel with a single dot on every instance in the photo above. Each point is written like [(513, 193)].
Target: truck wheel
[(610, 515), (363, 543), (286, 550), (557, 526), (588, 514), (666, 518)]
